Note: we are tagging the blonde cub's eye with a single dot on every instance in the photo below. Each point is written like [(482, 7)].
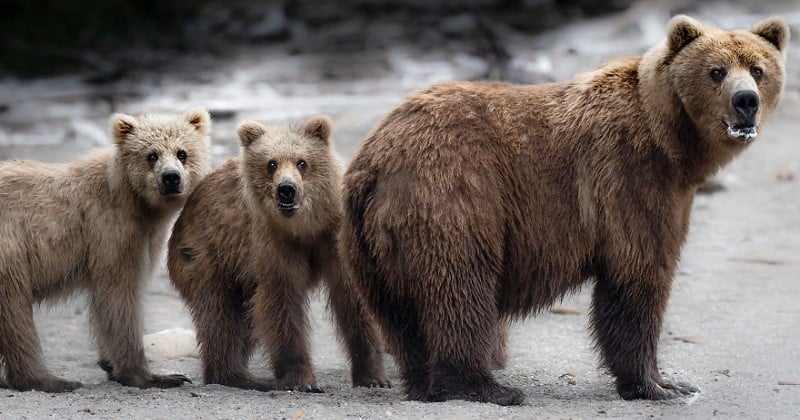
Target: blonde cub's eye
[(301, 165), (152, 157), (272, 166), (181, 156), (757, 73), (718, 75)]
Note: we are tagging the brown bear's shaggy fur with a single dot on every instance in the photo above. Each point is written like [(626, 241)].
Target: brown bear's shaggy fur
[(472, 203), (254, 238), (97, 224)]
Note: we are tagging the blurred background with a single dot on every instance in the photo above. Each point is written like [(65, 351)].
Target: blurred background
[(65, 66)]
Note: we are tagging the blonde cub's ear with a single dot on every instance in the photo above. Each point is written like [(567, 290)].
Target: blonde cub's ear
[(122, 126), (775, 30), (318, 127), (681, 30), (199, 118), (250, 131)]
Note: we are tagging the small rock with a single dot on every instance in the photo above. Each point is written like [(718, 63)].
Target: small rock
[(787, 172), (565, 310)]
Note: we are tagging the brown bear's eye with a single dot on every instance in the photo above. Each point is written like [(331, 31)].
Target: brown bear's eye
[(301, 165), (182, 156), (152, 157), (757, 73), (272, 166), (718, 74)]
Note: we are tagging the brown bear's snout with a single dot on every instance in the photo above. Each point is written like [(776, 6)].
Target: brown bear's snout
[(287, 197), (745, 102), (171, 183)]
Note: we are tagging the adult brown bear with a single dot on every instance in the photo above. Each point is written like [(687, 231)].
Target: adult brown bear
[(473, 203)]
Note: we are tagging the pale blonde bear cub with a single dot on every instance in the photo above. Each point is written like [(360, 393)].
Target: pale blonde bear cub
[(96, 225), (254, 238)]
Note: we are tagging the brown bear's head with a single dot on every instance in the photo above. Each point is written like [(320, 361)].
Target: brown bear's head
[(291, 174), (162, 156), (728, 82)]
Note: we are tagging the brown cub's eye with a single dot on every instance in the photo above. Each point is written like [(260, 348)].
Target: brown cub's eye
[(152, 157), (182, 156), (718, 75), (272, 166), (301, 165), (757, 73)]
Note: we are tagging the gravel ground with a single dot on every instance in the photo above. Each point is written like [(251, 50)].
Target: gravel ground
[(732, 324)]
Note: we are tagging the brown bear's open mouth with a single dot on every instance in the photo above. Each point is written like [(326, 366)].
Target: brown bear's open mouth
[(743, 133)]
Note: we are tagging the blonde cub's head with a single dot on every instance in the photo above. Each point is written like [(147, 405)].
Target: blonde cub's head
[(163, 155)]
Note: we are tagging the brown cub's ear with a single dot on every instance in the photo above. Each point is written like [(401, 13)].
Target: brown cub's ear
[(318, 127), (122, 126), (775, 30), (682, 30), (250, 131), (199, 118)]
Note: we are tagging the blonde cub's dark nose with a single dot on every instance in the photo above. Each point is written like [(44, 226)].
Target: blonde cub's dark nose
[(171, 181), (745, 102)]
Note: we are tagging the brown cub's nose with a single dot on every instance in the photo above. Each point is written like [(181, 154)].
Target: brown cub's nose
[(286, 192), (745, 102)]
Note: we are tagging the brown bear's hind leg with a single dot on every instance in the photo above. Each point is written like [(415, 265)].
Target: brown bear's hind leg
[(462, 346), (626, 324), (20, 349)]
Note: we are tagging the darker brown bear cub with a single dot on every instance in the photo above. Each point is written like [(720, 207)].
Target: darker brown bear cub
[(252, 241), (474, 203)]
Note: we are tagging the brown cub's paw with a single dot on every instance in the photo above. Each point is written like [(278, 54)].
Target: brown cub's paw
[(311, 388), (656, 390), (488, 393), (152, 381), (106, 366), (3, 383), (256, 384), (375, 381), (47, 383)]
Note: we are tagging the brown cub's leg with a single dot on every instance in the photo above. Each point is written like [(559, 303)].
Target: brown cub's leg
[(626, 321), (280, 318), (500, 352), (224, 332), (115, 315), (356, 328), (20, 349)]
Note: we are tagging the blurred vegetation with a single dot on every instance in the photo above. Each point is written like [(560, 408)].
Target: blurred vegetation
[(39, 37)]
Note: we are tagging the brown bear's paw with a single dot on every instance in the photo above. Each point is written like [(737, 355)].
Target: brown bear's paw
[(311, 388), (491, 392), (45, 383), (659, 389), (299, 382)]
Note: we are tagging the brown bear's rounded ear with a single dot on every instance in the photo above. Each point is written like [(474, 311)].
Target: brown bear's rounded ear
[(199, 118), (682, 30), (250, 131), (775, 30), (122, 126), (318, 127)]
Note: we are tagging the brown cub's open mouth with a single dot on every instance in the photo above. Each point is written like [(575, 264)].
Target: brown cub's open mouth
[(288, 209)]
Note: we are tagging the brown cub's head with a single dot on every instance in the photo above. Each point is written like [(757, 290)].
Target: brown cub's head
[(729, 82), (163, 156), (291, 172)]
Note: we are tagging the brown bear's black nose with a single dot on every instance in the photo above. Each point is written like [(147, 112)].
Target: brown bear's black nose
[(286, 192), (745, 102), (171, 181)]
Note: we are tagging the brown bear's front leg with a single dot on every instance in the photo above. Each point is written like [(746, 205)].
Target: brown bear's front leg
[(280, 305), (358, 330), (115, 316), (626, 321), (20, 350)]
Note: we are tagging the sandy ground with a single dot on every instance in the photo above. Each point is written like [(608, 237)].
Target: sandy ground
[(732, 324)]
